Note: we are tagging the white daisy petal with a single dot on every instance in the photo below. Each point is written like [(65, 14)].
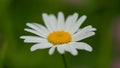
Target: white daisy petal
[(68, 23), (78, 24), (31, 26), (33, 39), (47, 21), (60, 49), (51, 50), (42, 28), (71, 49), (79, 37), (71, 20), (53, 21), (40, 46), (84, 33), (60, 24), (36, 28), (75, 16), (82, 46), (34, 32), (87, 29)]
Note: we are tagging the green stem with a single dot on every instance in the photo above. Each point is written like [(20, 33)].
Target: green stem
[(64, 61)]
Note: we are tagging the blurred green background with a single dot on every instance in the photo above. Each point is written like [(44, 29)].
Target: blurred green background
[(14, 14)]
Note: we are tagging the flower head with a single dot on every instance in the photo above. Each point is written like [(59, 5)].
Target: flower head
[(58, 33)]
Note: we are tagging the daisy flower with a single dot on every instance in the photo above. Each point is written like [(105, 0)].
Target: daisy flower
[(58, 33)]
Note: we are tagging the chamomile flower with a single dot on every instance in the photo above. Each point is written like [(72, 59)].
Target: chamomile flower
[(58, 33)]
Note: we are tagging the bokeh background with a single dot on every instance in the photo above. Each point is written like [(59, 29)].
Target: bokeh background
[(102, 14)]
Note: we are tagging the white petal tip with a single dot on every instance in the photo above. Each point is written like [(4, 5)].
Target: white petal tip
[(94, 29), (93, 33), (25, 29), (89, 49), (52, 49), (60, 12), (44, 14), (51, 53), (84, 16), (32, 49), (28, 23), (61, 53), (21, 37), (74, 54), (75, 14), (26, 41)]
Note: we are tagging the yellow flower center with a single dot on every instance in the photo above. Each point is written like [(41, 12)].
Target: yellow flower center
[(59, 37)]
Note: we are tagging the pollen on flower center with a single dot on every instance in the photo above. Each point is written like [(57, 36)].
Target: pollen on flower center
[(59, 37)]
